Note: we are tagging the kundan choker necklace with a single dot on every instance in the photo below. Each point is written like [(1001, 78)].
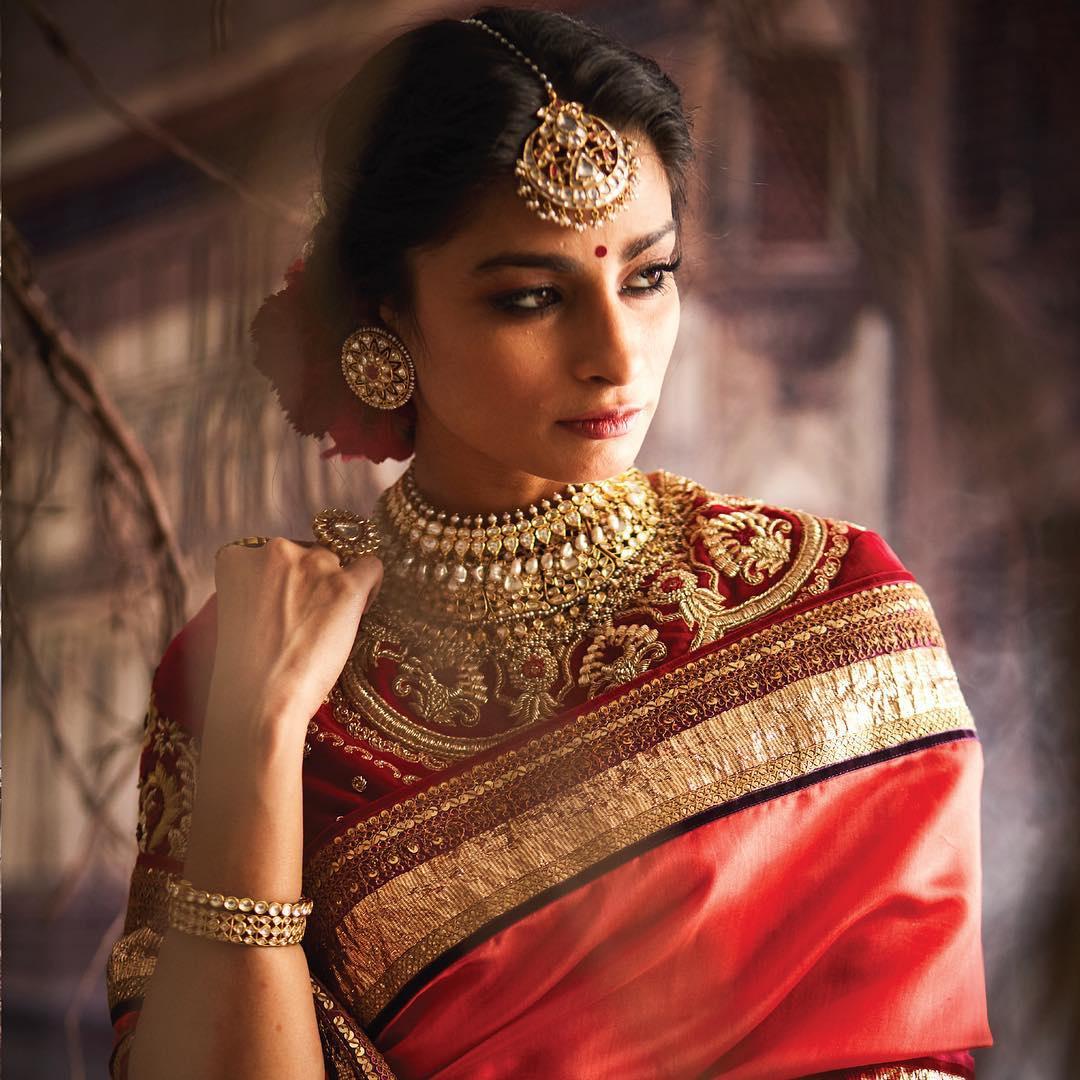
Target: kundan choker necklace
[(483, 613), (516, 565)]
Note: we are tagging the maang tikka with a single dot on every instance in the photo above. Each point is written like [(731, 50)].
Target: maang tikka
[(378, 367), (574, 169)]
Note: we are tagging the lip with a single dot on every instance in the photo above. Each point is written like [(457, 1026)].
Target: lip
[(608, 424)]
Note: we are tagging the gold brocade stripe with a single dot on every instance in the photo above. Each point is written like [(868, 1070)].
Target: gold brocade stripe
[(133, 957), (902, 1072), (887, 619), (392, 934), (364, 1059), (147, 898)]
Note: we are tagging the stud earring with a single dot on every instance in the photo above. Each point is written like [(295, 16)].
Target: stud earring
[(378, 367)]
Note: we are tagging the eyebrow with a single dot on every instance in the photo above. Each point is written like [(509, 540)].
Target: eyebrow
[(561, 263)]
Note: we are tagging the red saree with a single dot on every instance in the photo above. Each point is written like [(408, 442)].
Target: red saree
[(754, 853)]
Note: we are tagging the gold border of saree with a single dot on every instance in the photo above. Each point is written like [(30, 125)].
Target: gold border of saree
[(854, 676)]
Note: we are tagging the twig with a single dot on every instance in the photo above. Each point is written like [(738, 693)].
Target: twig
[(61, 45), (73, 375), (40, 685)]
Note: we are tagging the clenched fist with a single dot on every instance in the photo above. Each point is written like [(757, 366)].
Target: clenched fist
[(287, 616)]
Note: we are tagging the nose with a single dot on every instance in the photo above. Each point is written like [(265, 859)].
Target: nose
[(609, 347)]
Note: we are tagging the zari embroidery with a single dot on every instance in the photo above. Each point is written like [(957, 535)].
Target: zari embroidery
[(319, 735), (747, 544), (878, 621), (167, 792), (618, 655), (838, 547), (444, 674), (359, 1047), (864, 674), (901, 1072), (132, 959)]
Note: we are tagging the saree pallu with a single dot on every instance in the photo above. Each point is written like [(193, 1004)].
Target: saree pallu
[(759, 860)]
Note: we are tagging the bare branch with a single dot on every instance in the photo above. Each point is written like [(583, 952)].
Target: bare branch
[(74, 377), (40, 686), (61, 45)]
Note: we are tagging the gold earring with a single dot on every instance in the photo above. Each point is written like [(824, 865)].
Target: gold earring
[(378, 367)]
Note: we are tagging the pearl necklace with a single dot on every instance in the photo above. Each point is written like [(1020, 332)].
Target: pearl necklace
[(519, 564)]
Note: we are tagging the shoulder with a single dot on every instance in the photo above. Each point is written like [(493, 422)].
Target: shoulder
[(181, 681), (755, 549)]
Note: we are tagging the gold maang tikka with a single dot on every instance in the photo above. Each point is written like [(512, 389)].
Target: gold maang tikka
[(574, 169)]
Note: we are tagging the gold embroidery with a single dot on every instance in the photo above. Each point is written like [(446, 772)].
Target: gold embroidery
[(364, 1055), (747, 544), (451, 695), (707, 766), (863, 673), (636, 648), (336, 741), (167, 792), (880, 620), (532, 670), (532, 656), (902, 1072), (701, 609), (838, 547), (132, 958)]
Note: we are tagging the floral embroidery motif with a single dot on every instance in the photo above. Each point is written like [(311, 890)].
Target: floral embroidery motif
[(461, 685), (532, 670), (338, 743), (636, 648), (167, 792), (838, 547), (747, 544), (701, 609), (448, 689)]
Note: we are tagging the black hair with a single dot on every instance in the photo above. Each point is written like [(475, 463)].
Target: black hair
[(442, 109)]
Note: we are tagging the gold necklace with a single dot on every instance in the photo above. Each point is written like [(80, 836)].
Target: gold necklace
[(520, 564), (486, 610)]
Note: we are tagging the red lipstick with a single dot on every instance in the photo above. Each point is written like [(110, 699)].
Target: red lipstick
[(603, 425)]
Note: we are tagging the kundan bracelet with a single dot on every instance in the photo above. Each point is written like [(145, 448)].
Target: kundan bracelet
[(237, 919)]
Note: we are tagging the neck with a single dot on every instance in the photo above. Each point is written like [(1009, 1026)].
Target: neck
[(452, 476)]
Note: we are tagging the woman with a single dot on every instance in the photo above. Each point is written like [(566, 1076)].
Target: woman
[(614, 777)]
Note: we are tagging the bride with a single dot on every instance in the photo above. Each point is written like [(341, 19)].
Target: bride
[(551, 768)]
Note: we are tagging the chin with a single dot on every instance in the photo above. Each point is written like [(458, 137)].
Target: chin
[(592, 461)]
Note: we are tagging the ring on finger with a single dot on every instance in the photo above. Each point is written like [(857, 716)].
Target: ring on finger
[(346, 534), (244, 541)]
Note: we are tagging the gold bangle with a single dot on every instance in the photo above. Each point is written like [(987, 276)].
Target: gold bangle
[(236, 919)]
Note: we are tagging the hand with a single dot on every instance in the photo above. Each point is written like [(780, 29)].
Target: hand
[(287, 616)]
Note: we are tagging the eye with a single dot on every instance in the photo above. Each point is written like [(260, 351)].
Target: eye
[(655, 278), (527, 301)]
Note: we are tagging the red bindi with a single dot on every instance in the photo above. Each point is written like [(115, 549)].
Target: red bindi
[(601, 251)]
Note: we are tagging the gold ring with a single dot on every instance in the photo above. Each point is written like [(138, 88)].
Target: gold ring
[(245, 541), (346, 534)]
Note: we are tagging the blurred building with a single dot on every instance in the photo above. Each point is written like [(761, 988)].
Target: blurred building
[(877, 312)]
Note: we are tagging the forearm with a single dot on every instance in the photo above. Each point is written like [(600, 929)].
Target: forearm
[(218, 1009)]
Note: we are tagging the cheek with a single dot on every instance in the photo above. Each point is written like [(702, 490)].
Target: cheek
[(485, 377)]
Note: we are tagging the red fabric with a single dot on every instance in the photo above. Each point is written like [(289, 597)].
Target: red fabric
[(832, 927)]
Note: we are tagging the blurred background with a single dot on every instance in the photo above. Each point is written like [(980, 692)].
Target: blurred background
[(880, 323)]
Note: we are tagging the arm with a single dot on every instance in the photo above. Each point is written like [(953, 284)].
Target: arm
[(286, 617)]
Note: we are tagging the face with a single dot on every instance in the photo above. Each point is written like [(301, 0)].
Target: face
[(539, 350)]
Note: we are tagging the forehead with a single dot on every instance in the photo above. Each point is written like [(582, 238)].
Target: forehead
[(499, 218)]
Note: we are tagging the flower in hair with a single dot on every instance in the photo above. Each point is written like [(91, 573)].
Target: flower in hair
[(297, 352)]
